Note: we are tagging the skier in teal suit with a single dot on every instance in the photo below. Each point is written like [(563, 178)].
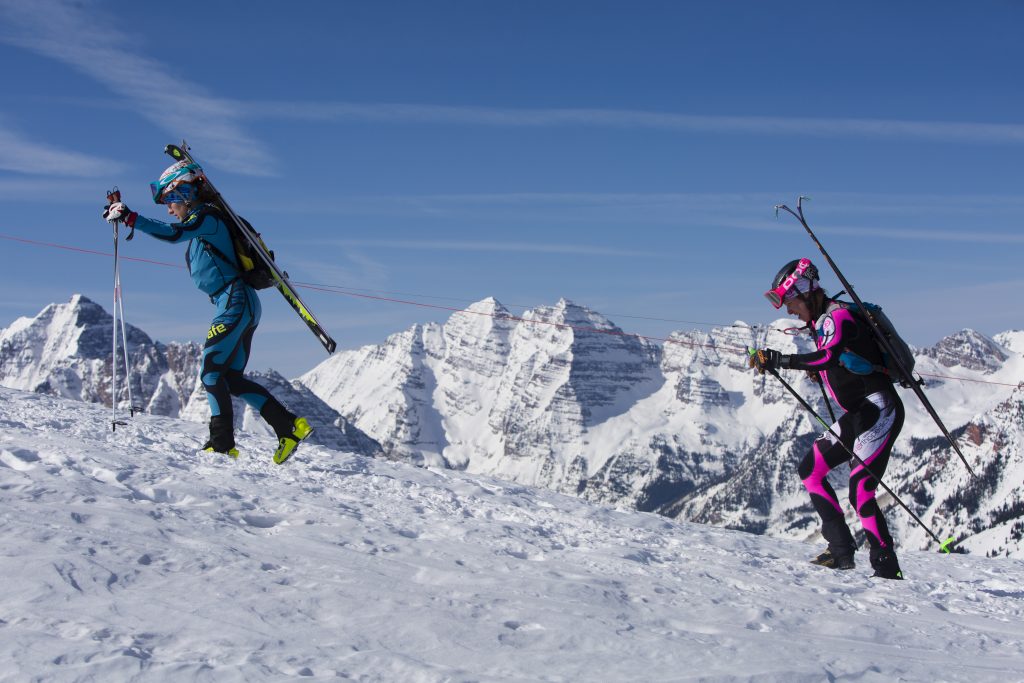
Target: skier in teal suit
[(213, 264)]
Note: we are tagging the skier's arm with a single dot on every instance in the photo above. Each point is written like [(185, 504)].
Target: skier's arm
[(839, 325), (200, 223)]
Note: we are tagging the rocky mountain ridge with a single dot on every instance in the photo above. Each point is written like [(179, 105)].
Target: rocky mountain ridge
[(562, 398)]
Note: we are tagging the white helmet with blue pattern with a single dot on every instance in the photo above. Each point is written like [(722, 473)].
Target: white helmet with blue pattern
[(181, 174)]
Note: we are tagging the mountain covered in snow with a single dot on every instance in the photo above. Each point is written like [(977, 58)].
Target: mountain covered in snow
[(127, 556), (560, 397), (66, 351)]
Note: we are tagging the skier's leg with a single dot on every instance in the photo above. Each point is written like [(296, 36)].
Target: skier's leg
[(289, 428), (252, 393), (222, 342), (280, 419), (881, 420), (825, 455)]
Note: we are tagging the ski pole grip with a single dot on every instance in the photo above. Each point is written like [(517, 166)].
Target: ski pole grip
[(113, 195)]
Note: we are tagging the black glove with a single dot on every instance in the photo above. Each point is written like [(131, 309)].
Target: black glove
[(764, 359), (118, 212)]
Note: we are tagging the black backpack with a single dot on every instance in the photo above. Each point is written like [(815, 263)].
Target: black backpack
[(904, 354), (251, 267)]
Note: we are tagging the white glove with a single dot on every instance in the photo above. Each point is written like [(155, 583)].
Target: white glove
[(117, 212)]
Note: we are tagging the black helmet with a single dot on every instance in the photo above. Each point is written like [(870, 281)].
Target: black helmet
[(785, 279)]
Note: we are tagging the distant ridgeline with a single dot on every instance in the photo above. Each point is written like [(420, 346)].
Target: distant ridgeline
[(560, 397)]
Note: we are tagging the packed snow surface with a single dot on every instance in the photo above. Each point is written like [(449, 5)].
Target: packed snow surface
[(130, 556)]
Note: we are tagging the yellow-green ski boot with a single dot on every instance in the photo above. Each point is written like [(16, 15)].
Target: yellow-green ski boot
[(222, 436), (233, 452), (286, 445)]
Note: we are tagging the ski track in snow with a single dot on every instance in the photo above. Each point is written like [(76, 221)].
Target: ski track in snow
[(130, 556)]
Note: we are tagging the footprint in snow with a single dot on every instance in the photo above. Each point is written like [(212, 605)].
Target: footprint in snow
[(19, 459), (262, 521)]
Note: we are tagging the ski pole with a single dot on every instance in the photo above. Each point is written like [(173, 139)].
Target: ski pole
[(944, 546), (115, 196), (907, 377), (113, 353)]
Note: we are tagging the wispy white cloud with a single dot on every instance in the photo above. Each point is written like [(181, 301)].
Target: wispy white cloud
[(622, 118), (342, 269), (86, 38), (26, 156), (965, 235), (496, 247)]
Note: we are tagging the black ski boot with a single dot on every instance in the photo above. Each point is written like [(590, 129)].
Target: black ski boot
[(222, 436), (280, 419), (840, 560), (886, 565)]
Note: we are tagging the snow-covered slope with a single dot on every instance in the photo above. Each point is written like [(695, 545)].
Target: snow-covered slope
[(129, 556)]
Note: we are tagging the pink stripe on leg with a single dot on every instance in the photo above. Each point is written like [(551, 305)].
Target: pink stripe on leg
[(814, 483)]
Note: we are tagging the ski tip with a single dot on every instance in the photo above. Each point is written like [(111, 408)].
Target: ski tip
[(946, 546)]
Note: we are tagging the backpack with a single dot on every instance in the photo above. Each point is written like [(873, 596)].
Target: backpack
[(861, 366), (251, 267)]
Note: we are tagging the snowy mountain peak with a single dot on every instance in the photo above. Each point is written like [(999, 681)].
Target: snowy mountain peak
[(58, 327), (1012, 340), (488, 306), (968, 349), (66, 351), (571, 314), (479, 320)]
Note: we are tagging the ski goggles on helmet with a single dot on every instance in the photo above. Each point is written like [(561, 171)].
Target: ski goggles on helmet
[(184, 193), (788, 289), (175, 175)]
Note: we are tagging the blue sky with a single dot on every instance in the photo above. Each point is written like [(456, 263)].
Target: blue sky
[(624, 155)]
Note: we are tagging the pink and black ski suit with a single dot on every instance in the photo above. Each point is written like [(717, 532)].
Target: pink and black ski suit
[(873, 416)]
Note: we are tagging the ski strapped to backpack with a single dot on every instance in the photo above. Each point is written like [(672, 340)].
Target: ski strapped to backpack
[(905, 375), (253, 249), (901, 354)]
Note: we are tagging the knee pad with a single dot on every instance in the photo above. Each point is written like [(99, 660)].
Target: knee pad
[(210, 379)]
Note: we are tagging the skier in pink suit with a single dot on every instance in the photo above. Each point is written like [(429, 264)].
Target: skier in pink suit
[(849, 364)]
